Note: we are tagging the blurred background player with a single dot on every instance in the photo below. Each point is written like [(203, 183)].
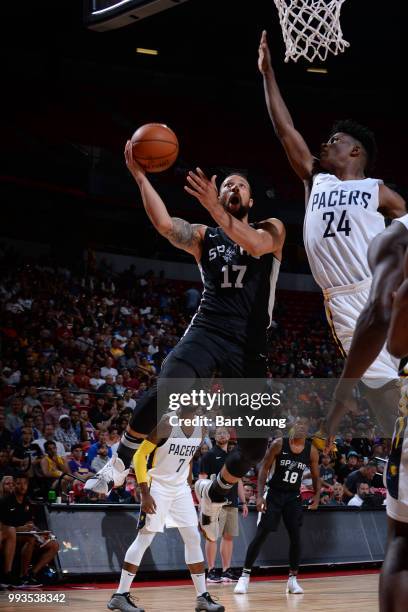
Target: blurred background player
[(385, 318), (344, 212), (239, 264), (289, 458), (163, 466)]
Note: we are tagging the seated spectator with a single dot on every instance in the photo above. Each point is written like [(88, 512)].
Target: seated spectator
[(39, 425), (345, 445), (364, 474), (78, 465), (113, 436), (5, 466), (101, 458), (93, 450), (351, 466), (119, 388), (327, 474), (28, 421), (129, 401), (88, 427), (78, 425), (32, 398), (49, 436), (6, 486), (52, 415), (16, 516), (250, 494), (5, 434), (336, 497), (108, 386), (27, 452), (109, 370), (53, 466), (65, 433), (14, 418), (96, 379), (363, 490), (81, 379)]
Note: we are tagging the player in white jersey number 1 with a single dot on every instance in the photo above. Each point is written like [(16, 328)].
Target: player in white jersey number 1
[(344, 211), (163, 468)]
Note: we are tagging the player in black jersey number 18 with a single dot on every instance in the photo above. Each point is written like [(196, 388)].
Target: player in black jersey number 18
[(239, 264), (289, 457)]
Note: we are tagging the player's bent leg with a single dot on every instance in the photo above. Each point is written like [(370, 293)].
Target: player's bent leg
[(394, 573), (195, 563), (211, 494)]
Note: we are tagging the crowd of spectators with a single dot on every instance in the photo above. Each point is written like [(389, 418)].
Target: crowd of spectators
[(79, 349)]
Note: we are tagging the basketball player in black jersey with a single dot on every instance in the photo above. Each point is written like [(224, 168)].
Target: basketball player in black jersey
[(385, 318), (239, 264), (290, 456)]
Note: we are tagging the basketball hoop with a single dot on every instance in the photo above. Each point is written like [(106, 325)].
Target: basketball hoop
[(311, 28)]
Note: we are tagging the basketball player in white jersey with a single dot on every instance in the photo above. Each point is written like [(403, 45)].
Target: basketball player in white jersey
[(385, 317), (162, 466), (344, 212)]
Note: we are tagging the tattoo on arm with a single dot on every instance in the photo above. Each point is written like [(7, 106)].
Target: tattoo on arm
[(184, 235)]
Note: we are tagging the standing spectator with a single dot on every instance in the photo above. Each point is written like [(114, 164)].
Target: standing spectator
[(52, 415), (14, 419), (363, 490), (65, 433), (211, 463), (16, 516)]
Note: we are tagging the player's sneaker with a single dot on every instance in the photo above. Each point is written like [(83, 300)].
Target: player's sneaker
[(293, 586), (213, 576), (113, 474), (242, 586), (209, 511), (123, 602), (205, 603), (228, 576)]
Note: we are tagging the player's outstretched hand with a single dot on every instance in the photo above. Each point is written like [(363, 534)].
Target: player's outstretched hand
[(264, 55), (202, 188), (148, 505), (134, 168), (261, 504)]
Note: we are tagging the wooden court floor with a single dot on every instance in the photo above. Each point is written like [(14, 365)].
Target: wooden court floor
[(331, 594)]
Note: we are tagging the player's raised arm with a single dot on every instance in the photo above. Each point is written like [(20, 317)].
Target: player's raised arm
[(180, 233), (298, 152), (392, 205), (267, 238)]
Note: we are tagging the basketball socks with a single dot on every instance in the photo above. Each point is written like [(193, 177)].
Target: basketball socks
[(219, 489), (128, 445), (199, 583), (126, 579), (246, 572)]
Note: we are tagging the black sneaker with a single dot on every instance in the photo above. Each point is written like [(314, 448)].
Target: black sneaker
[(213, 575), (12, 581), (123, 602), (205, 603), (228, 576), (30, 582)]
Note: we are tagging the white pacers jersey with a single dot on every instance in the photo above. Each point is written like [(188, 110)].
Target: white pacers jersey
[(170, 462), (341, 220)]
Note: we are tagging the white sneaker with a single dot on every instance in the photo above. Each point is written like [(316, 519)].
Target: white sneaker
[(113, 474), (242, 586), (293, 586), (209, 511)]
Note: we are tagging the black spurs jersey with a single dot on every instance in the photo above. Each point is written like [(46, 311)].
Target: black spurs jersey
[(289, 467), (239, 290)]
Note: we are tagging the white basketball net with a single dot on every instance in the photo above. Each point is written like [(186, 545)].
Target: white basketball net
[(311, 28)]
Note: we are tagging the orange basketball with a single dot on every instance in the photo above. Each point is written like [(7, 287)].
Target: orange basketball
[(155, 147)]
